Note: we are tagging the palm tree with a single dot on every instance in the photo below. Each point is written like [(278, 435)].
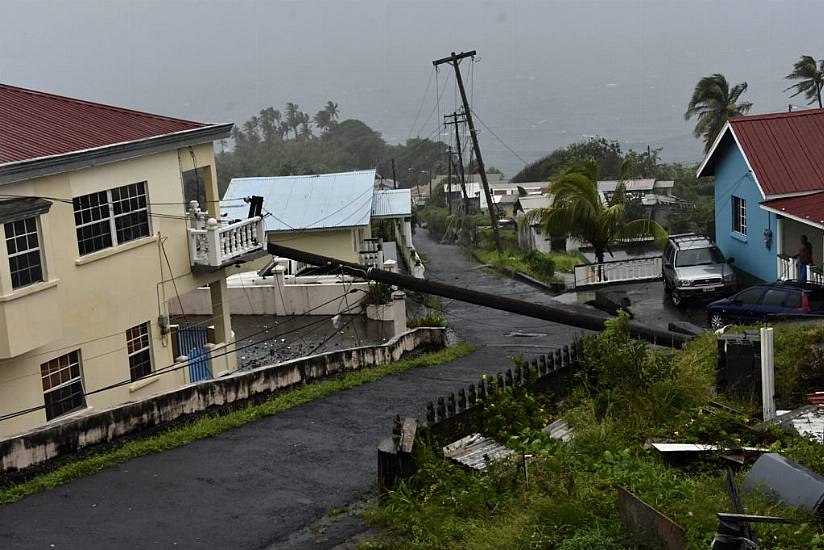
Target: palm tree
[(580, 211), (293, 117), (322, 120), (714, 103), (331, 110), (811, 77)]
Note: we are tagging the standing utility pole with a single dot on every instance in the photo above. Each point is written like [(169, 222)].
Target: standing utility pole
[(455, 60), (394, 176), (455, 122), (449, 178)]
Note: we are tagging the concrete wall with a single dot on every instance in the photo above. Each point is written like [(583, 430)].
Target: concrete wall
[(732, 178), (92, 300), (265, 298), (104, 426), (343, 244)]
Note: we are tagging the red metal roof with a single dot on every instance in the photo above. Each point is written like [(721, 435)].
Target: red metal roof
[(785, 150), (805, 207), (37, 124)]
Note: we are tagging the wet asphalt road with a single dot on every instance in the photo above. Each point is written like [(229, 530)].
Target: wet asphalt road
[(259, 485)]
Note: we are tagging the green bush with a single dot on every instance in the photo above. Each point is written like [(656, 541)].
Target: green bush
[(378, 294), (541, 263), (432, 320)]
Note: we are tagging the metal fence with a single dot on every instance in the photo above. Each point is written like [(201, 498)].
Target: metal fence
[(618, 271)]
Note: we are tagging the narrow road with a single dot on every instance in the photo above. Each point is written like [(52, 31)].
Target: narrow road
[(259, 485)]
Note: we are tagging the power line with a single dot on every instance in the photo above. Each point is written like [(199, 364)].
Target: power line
[(423, 100), (175, 366), (488, 129)]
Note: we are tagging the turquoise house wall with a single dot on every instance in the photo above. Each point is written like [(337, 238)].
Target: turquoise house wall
[(733, 178)]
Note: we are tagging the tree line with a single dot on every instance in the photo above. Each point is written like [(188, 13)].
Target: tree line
[(287, 142)]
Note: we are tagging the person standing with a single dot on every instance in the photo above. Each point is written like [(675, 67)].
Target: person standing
[(805, 258)]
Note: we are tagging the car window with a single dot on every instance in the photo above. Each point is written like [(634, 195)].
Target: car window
[(775, 297), (749, 296), (699, 256), (793, 300), (816, 299)]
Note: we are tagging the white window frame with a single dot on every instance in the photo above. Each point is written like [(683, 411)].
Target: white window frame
[(148, 347), (112, 217), (39, 249), (61, 385), (739, 215)]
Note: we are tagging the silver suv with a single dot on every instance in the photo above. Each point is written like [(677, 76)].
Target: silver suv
[(693, 267)]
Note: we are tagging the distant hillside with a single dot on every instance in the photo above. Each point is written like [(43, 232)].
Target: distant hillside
[(289, 142)]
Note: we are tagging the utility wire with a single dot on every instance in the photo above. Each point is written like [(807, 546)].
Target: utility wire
[(175, 366), (488, 129)]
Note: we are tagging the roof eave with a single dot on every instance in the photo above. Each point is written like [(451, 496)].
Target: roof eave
[(76, 160), (711, 152), (799, 219)]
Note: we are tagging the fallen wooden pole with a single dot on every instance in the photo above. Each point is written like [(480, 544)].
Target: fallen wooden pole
[(564, 314)]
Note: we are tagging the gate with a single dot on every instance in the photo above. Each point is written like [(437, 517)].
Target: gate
[(191, 342)]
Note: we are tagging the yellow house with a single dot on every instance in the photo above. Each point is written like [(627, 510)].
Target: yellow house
[(97, 237), (327, 214)]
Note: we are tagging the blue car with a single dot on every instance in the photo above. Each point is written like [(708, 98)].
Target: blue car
[(781, 300)]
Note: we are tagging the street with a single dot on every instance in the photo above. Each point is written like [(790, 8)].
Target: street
[(265, 483)]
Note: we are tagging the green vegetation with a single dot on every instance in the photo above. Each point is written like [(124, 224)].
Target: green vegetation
[(378, 294), (811, 76), (431, 320), (535, 264), (714, 103), (625, 394), (212, 425), (577, 210), (282, 143)]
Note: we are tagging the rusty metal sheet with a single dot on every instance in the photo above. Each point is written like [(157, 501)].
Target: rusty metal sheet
[(639, 517)]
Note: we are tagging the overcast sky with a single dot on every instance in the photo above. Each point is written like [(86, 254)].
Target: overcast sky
[(551, 72)]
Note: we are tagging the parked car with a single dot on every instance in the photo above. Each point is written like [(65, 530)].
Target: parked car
[(693, 267), (771, 301)]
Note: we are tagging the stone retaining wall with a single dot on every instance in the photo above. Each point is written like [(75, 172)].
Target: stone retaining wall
[(36, 447)]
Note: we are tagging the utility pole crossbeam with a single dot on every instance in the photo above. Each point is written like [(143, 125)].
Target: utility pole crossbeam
[(455, 122), (455, 60)]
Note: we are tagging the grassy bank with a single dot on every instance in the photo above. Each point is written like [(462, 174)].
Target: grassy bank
[(211, 426), (626, 393)]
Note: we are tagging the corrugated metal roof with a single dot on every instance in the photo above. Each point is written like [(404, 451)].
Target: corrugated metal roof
[(608, 186), (531, 202), (785, 150), (392, 203), (323, 201), (805, 208), (37, 124)]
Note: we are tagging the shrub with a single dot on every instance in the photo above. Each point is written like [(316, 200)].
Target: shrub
[(378, 294), (432, 320)]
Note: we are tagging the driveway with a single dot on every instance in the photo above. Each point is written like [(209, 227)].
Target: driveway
[(263, 484)]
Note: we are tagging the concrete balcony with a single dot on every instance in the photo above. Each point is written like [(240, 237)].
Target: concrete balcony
[(214, 245), (30, 317)]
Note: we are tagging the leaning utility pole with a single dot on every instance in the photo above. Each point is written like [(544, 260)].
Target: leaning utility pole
[(454, 60), (455, 122), (572, 315)]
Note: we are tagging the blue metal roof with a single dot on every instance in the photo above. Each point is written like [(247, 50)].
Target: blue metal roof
[(392, 203), (323, 201)]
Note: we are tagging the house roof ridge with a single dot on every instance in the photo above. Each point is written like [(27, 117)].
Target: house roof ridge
[(772, 116), (98, 105)]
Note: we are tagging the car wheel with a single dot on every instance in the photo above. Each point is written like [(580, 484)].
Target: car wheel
[(717, 321), (676, 298)]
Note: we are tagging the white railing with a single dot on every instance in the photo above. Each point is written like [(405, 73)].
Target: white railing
[(788, 270), (619, 271), (215, 244)]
